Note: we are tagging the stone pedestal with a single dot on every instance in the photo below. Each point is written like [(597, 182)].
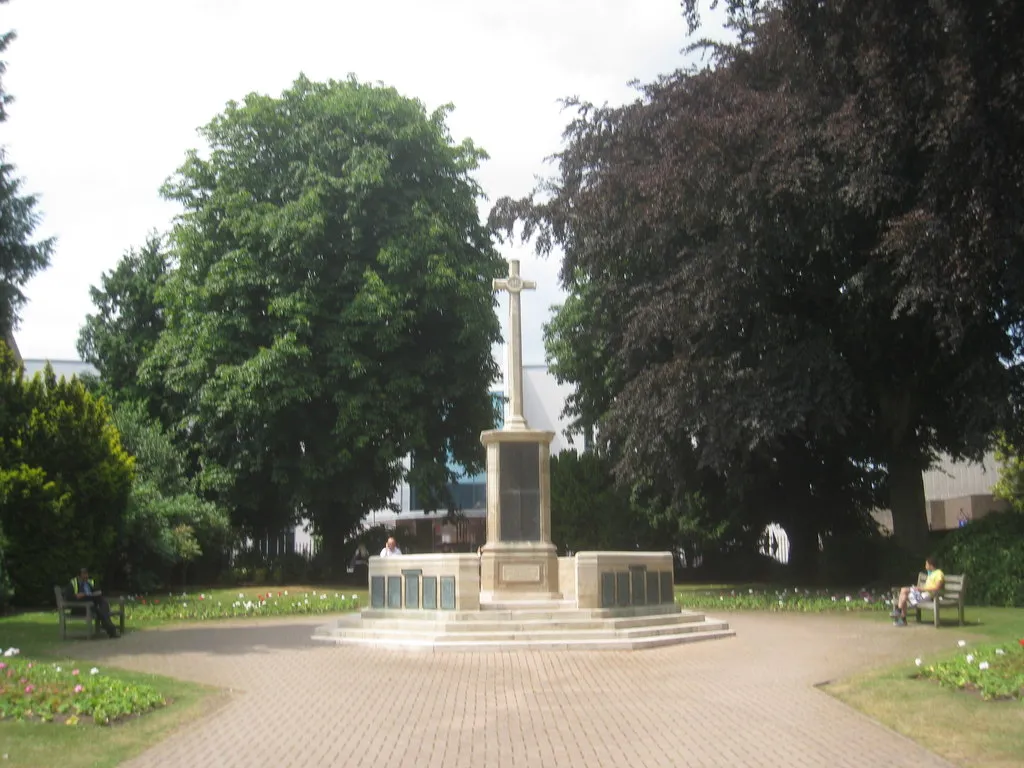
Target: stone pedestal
[(519, 562)]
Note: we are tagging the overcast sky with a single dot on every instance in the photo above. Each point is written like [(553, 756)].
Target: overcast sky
[(109, 93)]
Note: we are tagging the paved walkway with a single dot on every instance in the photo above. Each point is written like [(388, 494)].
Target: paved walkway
[(744, 701)]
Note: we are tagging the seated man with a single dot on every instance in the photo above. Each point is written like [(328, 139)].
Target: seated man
[(84, 590), (912, 595), (390, 548)]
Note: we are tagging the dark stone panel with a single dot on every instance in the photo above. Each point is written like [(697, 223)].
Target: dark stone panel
[(430, 593), (376, 591), (638, 582), (394, 591), (608, 590), (653, 588), (412, 589), (666, 587), (447, 593), (519, 488), (622, 588)]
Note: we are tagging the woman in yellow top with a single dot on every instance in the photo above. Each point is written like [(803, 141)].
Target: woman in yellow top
[(933, 584)]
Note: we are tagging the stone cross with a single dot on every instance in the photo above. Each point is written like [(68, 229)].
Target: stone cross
[(514, 284)]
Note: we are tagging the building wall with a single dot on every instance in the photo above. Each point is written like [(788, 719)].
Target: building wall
[(543, 402)]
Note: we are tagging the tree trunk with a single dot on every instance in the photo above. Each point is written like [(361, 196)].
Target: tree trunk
[(907, 502), (803, 550)]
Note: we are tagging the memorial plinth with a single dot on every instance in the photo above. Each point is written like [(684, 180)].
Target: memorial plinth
[(518, 561)]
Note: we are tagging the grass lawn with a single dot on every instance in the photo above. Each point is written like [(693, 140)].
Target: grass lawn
[(957, 725)]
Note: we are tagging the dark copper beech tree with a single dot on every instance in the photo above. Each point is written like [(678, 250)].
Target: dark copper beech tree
[(805, 254)]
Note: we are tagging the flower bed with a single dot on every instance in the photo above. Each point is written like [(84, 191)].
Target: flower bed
[(64, 693), (141, 609), (794, 600), (995, 672)]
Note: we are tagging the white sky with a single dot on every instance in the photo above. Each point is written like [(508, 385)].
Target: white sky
[(109, 94)]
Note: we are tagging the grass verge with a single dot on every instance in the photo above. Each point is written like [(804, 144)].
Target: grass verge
[(958, 725), (42, 745)]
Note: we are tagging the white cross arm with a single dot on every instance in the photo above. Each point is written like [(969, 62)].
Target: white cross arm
[(513, 285)]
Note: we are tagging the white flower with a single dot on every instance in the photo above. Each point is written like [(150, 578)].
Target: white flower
[(202, 595), (750, 591), (184, 604), (1000, 651), (961, 643), (11, 652), (58, 669), (970, 658), (286, 591), (94, 671), (241, 596), (781, 602), (983, 665), (847, 598), (917, 662)]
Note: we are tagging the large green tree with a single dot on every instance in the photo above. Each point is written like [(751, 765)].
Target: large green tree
[(127, 323), (807, 251), (20, 258), (331, 312)]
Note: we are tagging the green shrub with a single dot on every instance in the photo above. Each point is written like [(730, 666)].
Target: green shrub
[(991, 552), (64, 481), (993, 671)]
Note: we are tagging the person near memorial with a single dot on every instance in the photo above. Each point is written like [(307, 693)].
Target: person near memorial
[(934, 582), (83, 589), (390, 548)]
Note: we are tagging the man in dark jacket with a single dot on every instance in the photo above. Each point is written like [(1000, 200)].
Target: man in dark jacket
[(84, 590)]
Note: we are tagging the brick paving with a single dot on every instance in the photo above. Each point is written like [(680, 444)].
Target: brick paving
[(743, 701)]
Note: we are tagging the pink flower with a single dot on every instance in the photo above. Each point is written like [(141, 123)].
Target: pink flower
[(29, 688), (2, 665), (30, 665), (74, 672), (79, 689)]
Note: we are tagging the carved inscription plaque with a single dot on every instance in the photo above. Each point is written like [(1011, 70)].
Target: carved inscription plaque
[(520, 573)]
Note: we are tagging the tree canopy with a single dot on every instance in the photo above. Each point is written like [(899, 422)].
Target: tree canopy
[(330, 311), (804, 253), (20, 258), (126, 326)]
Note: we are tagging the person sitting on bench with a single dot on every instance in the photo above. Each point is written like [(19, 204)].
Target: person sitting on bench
[(84, 590), (933, 584)]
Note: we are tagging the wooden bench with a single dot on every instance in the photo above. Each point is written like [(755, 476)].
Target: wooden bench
[(952, 595), (85, 611)]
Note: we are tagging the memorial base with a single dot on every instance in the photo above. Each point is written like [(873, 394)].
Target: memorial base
[(519, 572)]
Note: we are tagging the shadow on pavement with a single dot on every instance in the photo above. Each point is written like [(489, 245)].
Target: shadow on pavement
[(228, 640)]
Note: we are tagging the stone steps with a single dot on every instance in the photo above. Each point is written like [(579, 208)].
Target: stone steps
[(575, 643), (524, 614), (619, 633), (520, 624)]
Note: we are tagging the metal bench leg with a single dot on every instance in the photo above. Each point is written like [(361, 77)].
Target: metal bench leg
[(936, 613)]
